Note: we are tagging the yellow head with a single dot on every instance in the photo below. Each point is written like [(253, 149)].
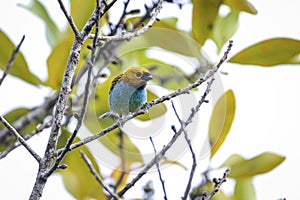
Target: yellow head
[(136, 76)]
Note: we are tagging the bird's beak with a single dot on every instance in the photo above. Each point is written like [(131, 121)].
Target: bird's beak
[(147, 76)]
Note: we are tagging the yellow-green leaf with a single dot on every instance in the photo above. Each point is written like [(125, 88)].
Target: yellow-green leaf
[(166, 75), (225, 27), (19, 68), (270, 52), (241, 5), (52, 32), (57, 62), (232, 160), (11, 117), (77, 177), (81, 11), (177, 41), (260, 164), (221, 120), (14, 115), (119, 175), (173, 162), (203, 21), (244, 189), (169, 76)]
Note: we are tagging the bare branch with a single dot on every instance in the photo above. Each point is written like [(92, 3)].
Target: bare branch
[(20, 139), (123, 160), (107, 7), (50, 153), (97, 177), (159, 100), (11, 60), (188, 187), (85, 100), (159, 172), (124, 13), (129, 35), (69, 18), (218, 183)]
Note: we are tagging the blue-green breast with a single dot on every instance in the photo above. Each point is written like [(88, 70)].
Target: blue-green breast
[(124, 98)]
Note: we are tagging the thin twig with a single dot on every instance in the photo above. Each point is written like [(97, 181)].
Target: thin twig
[(159, 172), (123, 160), (39, 129), (218, 183), (97, 177), (13, 131), (69, 18), (124, 13), (11, 60), (107, 7), (159, 100), (129, 35), (194, 164)]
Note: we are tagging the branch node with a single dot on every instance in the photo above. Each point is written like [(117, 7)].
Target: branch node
[(62, 166)]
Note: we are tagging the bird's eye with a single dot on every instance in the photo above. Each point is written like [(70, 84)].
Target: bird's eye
[(138, 74)]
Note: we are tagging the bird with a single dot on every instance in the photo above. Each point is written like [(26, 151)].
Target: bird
[(128, 92)]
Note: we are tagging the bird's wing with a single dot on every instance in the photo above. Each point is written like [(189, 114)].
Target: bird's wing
[(115, 80)]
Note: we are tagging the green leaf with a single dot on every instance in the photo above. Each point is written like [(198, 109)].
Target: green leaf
[(232, 160), (221, 120), (168, 23), (225, 28), (173, 162), (166, 75), (81, 11), (117, 173), (241, 5), (19, 68), (77, 177), (177, 41), (244, 189), (241, 168), (11, 117), (270, 52), (204, 14), (57, 62), (52, 32)]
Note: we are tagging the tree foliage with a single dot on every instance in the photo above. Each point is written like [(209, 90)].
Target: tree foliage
[(114, 53)]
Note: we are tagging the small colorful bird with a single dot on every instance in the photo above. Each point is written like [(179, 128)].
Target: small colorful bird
[(127, 92)]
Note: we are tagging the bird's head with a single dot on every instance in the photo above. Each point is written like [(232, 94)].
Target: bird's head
[(137, 77)]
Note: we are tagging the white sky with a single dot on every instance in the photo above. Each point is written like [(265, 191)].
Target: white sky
[(267, 113)]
